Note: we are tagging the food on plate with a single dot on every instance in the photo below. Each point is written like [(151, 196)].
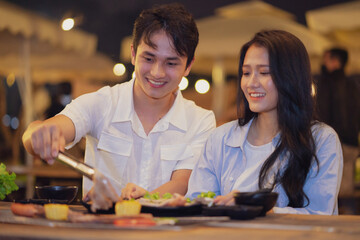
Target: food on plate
[(79, 217), (208, 194), (27, 210), (170, 200), (127, 208), (152, 196), (7, 182), (206, 198), (56, 211), (138, 222)]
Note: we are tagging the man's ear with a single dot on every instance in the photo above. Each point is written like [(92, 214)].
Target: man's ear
[(133, 54), (188, 68)]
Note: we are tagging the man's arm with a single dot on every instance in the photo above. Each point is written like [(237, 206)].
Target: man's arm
[(177, 184), (45, 138)]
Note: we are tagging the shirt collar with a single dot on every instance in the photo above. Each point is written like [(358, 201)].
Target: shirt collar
[(238, 137), (175, 116), (177, 113)]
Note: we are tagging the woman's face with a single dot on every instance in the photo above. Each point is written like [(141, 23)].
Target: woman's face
[(256, 81)]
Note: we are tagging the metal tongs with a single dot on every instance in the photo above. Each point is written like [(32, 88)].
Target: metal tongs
[(72, 162)]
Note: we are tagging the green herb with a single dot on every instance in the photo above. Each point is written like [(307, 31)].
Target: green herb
[(147, 195), (154, 196), (7, 182), (167, 195), (208, 194)]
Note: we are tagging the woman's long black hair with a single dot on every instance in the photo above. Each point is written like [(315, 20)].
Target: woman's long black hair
[(290, 72)]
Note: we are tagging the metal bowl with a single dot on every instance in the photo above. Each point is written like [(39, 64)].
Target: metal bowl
[(65, 193)]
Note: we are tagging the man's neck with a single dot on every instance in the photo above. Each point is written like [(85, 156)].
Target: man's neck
[(151, 110)]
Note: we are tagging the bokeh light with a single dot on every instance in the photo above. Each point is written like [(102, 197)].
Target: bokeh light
[(202, 86), (119, 69), (6, 119), (184, 83), (10, 79), (67, 24)]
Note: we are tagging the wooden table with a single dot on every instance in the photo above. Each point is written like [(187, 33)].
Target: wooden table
[(273, 226)]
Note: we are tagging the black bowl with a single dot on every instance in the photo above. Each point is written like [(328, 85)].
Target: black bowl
[(67, 193), (266, 199)]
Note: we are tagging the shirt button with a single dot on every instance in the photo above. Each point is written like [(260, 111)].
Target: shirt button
[(231, 179)]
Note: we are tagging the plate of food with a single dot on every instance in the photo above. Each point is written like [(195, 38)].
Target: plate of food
[(169, 205)]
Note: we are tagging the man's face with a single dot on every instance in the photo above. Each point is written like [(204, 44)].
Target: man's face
[(158, 70), (331, 63)]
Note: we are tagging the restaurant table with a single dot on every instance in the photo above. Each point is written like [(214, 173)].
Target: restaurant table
[(272, 226)]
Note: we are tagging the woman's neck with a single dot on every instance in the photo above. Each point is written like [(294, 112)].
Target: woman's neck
[(263, 129)]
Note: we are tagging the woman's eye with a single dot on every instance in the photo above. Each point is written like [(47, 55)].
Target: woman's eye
[(246, 73), (264, 73)]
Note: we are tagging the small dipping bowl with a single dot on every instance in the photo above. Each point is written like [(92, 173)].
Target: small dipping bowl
[(63, 193), (265, 199)]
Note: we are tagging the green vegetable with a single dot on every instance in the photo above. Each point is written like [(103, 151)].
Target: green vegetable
[(7, 182), (167, 195), (147, 195), (154, 196), (208, 194)]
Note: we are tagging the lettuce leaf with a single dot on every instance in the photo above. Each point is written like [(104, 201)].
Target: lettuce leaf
[(7, 182)]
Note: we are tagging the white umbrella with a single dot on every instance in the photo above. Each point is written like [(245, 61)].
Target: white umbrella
[(341, 23), (35, 49)]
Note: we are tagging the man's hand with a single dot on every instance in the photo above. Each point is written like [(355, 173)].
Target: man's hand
[(227, 199), (102, 195), (45, 139), (132, 190)]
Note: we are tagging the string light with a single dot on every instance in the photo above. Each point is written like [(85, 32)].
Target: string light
[(202, 86), (119, 69), (68, 24), (184, 83)]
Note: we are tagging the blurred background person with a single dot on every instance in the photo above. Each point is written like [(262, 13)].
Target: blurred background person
[(338, 105)]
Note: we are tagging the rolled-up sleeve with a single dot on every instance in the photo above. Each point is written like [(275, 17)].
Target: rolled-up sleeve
[(86, 111), (204, 178)]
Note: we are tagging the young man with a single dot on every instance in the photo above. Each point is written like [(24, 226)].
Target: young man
[(141, 135)]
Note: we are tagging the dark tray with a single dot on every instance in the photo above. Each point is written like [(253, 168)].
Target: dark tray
[(41, 201), (190, 210), (239, 212)]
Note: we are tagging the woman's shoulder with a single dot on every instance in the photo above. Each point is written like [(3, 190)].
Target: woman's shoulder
[(225, 130), (323, 132)]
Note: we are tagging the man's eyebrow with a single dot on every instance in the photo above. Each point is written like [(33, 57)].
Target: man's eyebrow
[(149, 53), (169, 58), (173, 58)]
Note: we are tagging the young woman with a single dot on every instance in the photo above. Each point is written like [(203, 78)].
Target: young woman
[(275, 143)]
